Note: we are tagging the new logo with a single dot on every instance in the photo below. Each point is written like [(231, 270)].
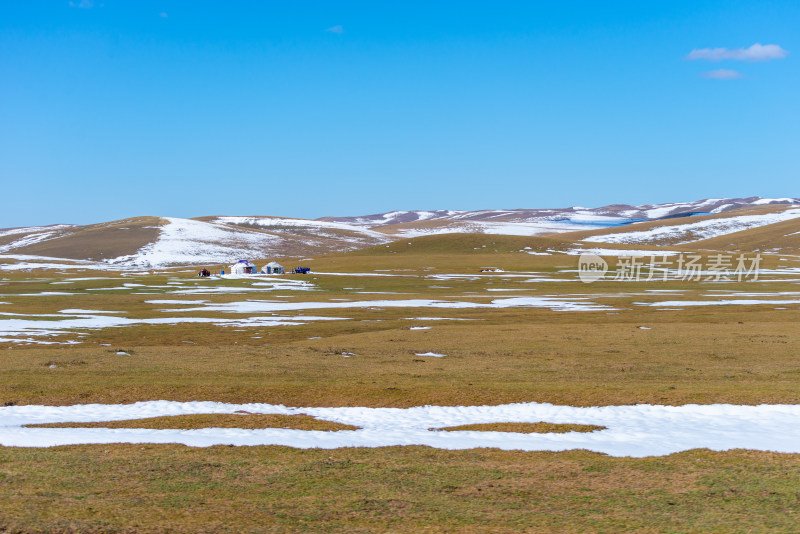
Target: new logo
[(591, 268)]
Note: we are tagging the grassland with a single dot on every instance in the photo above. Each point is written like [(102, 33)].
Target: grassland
[(686, 354), (140, 488)]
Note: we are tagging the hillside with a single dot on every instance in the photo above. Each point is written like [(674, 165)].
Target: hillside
[(148, 242), (694, 229), (154, 242), (553, 219)]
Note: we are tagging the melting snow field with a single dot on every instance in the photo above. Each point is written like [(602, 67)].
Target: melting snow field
[(78, 321), (261, 306), (632, 431)]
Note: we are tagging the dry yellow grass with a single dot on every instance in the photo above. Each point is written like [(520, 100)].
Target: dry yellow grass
[(99, 241), (168, 488), (237, 420), (734, 355)]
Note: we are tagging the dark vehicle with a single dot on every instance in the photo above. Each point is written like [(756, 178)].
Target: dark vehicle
[(302, 270), (204, 272)]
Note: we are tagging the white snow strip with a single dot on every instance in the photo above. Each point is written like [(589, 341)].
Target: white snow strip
[(31, 341), (31, 257), (431, 354), (73, 311), (631, 431), (31, 229), (732, 302), (30, 266), (29, 239)]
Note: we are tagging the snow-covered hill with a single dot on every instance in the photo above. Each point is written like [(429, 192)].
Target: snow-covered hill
[(154, 242), (690, 232), (611, 215), (186, 241), (356, 234)]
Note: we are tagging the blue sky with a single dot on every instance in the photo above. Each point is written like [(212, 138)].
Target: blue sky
[(112, 109)]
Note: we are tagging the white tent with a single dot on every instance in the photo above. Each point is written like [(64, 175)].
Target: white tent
[(243, 267), (272, 267)]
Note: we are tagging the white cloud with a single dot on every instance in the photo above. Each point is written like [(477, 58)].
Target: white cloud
[(756, 52), (722, 74), (83, 4), (335, 29)]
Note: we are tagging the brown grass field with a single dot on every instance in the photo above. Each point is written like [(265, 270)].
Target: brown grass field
[(238, 420), (688, 354)]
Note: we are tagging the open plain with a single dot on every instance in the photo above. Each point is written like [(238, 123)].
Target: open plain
[(258, 373)]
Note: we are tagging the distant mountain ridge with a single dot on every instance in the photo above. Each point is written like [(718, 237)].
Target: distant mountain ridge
[(614, 211), (152, 242)]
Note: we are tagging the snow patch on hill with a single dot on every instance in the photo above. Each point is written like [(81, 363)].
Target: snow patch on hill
[(528, 228), (395, 217), (30, 229), (321, 228), (689, 233), (186, 241), (761, 201), (31, 238)]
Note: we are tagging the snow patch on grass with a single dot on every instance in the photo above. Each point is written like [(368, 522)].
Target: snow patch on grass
[(631, 431), (260, 306)]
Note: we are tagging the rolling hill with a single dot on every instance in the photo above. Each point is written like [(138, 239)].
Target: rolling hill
[(154, 242), (693, 229)]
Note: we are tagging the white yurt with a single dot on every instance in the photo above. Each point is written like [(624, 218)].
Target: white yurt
[(272, 267), (243, 267)]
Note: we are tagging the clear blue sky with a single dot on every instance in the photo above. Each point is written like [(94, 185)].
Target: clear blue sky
[(112, 108)]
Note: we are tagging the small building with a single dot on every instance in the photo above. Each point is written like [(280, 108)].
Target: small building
[(272, 267), (243, 267)]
